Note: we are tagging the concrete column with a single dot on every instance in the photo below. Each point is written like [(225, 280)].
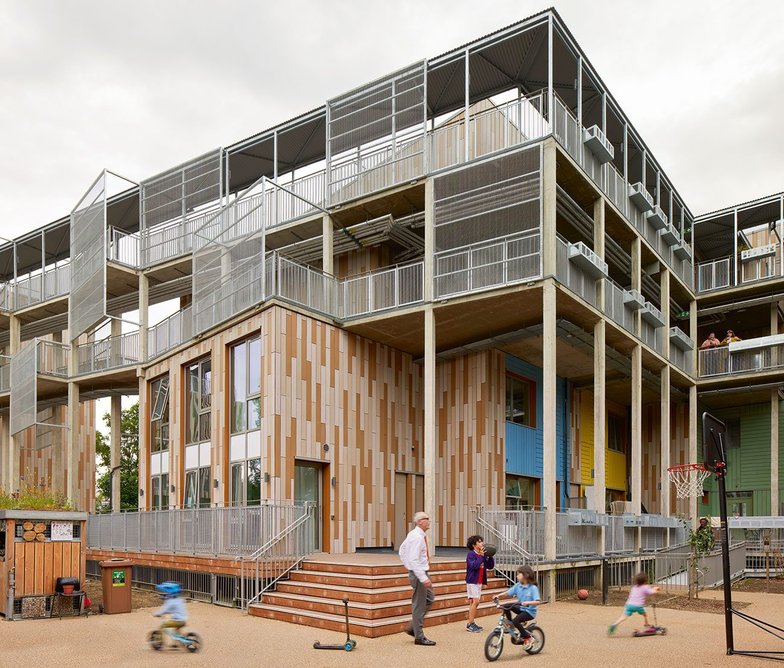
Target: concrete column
[(693, 448), (599, 376), (548, 207), (695, 355), (327, 245), (665, 441), (144, 303), (431, 504), (429, 240), (549, 410), (114, 445), (636, 444), (637, 278), (73, 447), (664, 279), (774, 452), (12, 456)]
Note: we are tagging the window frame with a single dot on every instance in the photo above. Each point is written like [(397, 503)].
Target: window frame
[(509, 398), (160, 434), (203, 406), (244, 465), (250, 397)]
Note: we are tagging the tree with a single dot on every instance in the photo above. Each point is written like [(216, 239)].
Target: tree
[(129, 461), (701, 542)]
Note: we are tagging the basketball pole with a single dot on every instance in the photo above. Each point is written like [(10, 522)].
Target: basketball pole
[(721, 470)]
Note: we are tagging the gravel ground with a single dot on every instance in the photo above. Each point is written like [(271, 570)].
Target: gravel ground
[(576, 634), (617, 598)]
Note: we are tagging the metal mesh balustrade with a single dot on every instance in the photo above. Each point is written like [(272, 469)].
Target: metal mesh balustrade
[(24, 391), (228, 259), (376, 135), (87, 303), (173, 205)]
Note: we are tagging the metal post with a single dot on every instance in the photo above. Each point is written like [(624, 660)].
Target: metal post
[(725, 559)]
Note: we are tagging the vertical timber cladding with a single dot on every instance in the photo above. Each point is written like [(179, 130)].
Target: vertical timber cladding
[(487, 220), (651, 455), (376, 135), (87, 302), (471, 433), (173, 203), (228, 259)]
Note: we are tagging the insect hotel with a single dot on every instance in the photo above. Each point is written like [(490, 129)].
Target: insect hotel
[(42, 563)]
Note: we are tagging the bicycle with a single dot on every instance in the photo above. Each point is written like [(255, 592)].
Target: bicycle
[(190, 641), (494, 644)]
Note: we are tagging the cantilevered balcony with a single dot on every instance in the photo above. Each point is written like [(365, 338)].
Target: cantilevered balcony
[(750, 356), (754, 265), (53, 282), (113, 352)]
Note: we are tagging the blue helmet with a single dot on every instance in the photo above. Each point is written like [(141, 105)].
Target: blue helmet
[(169, 588)]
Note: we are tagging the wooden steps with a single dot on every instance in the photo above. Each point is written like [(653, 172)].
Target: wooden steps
[(379, 596)]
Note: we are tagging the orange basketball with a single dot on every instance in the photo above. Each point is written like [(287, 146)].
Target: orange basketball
[(582, 594)]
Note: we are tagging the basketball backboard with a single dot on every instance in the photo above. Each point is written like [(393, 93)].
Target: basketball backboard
[(713, 443)]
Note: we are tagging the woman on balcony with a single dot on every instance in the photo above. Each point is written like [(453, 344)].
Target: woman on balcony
[(711, 342), (730, 338)]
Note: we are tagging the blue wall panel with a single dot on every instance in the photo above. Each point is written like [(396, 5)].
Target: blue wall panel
[(524, 445)]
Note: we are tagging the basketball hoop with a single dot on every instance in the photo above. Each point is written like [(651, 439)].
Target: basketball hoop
[(688, 479)]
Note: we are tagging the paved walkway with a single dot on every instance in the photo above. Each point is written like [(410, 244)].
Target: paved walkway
[(576, 637)]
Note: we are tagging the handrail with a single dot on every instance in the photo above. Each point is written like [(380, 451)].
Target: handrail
[(264, 582), (507, 544)]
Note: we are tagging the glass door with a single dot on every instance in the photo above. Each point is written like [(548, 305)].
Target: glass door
[(307, 487)]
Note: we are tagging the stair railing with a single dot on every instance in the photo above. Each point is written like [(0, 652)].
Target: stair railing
[(280, 555), (510, 554)]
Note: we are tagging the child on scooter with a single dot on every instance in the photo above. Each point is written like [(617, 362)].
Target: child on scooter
[(638, 597), (173, 605)]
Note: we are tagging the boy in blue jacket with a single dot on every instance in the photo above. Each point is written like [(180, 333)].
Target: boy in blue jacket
[(477, 565)]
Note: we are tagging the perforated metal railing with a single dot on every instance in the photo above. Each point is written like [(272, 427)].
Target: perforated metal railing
[(113, 352), (572, 276), (376, 291), (5, 373), (87, 302), (40, 287), (615, 308), (24, 388), (170, 332), (53, 358), (376, 135), (488, 264)]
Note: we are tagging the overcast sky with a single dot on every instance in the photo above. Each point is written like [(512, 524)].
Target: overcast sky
[(141, 86)]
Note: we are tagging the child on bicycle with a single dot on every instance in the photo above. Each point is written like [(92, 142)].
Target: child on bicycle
[(527, 594), (477, 565), (173, 605), (638, 597)]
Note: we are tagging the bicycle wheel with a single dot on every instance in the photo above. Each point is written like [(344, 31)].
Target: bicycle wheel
[(155, 639), (494, 644), (194, 642), (537, 644)]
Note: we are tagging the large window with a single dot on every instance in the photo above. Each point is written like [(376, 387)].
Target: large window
[(197, 476), (199, 400), (159, 443), (521, 492), (520, 400), (246, 386), (616, 433)]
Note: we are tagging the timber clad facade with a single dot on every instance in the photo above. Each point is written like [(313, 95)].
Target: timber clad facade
[(451, 289)]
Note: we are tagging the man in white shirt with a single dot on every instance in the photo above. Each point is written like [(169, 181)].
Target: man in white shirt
[(414, 555)]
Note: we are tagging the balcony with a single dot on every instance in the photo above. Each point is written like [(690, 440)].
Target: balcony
[(382, 290), (640, 197), (53, 358), (487, 265), (587, 260), (765, 353), (53, 282), (113, 352), (169, 333), (598, 144), (657, 218), (754, 265)]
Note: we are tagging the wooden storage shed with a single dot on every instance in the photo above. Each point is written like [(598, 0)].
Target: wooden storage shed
[(36, 548)]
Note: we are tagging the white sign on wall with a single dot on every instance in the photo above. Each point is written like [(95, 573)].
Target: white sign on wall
[(62, 530)]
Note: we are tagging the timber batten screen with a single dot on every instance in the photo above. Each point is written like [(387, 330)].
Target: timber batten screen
[(376, 135), (487, 220), (175, 203), (87, 303), (24, 391)]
